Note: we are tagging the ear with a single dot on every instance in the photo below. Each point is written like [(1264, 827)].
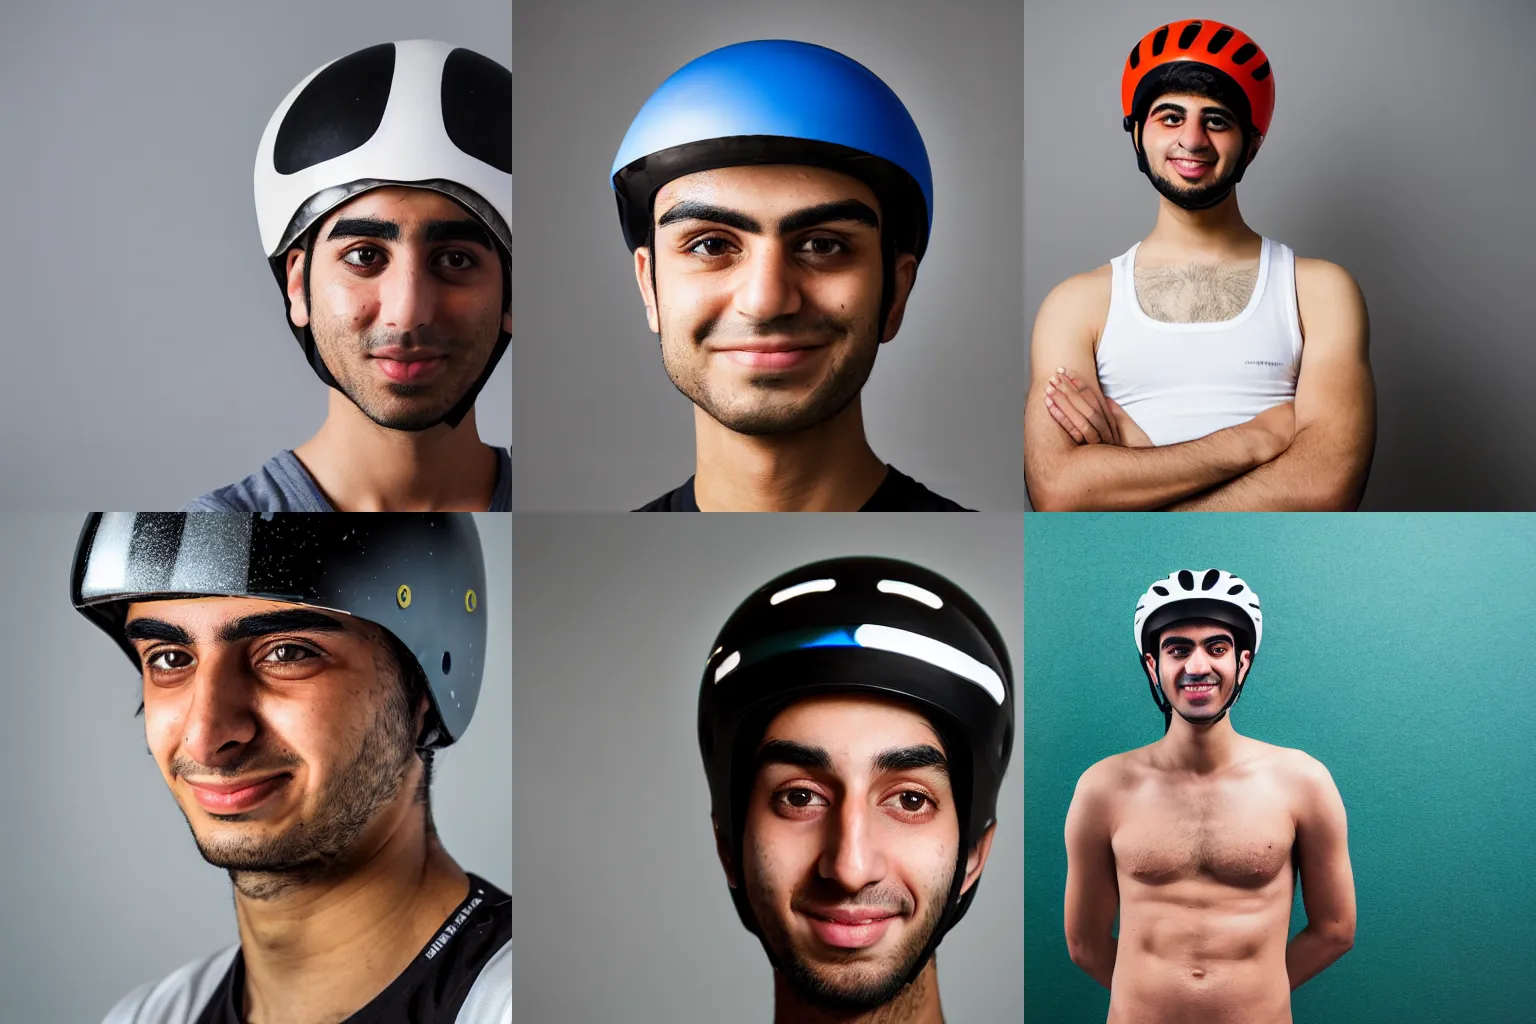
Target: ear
[(298, 310), (647, 293), (1244, 663), (1253, 147), (506, 321), (724, 853), (978, 858), (1136, 137), (905, 277), (1149, 664)]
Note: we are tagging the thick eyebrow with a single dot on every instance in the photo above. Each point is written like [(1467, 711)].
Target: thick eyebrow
[(796, 754), (1223, 111), (156, 629), (829, 213), (908, 759), (297, 620), (457, 231), (364, 227), (1221, 638), (690, 210)]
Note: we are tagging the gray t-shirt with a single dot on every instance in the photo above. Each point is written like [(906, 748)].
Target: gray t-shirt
[(284, 485)]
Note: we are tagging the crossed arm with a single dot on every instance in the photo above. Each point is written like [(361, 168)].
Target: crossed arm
[(1081, 451), (1327, 881)]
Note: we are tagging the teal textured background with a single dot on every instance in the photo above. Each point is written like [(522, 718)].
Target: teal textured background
[(1397, 651)]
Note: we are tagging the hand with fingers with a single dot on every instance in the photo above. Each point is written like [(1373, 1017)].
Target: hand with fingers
[(1089, 417)]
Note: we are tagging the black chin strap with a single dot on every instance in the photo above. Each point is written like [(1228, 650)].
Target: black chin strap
[(1167, 708), (1200, 200)]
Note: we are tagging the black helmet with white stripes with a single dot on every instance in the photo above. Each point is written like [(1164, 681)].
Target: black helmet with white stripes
[(419, 113), (1189, 594), (860, 625)]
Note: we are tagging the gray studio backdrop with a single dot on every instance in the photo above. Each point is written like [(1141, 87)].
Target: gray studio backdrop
[(148, 358), (602, 426), (1400, 150), (630, 914), (104, 889)]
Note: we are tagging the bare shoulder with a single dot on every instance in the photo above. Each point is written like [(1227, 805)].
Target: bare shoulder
[(1297, 769), (1320, 284), (1111, 776), (1068, 323), (1082, 298)]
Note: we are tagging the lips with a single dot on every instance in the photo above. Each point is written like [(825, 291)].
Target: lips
[(238, 796), (771, 355), (1198, 689), (1190, 170), (407, 365), (853, 928)]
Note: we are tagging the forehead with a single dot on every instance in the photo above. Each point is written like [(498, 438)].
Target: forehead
[(1196, 629), (770, 190), (1192, 101), (200, 614), (398, 205), (852, 729)]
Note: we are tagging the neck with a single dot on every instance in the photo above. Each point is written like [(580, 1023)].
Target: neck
[(1220, 229), (1201, 748), (363, 467), (323, 949), (917, 1003), (828, 468)]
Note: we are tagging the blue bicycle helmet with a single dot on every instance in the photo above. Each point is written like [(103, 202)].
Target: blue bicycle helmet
[(776, 101)]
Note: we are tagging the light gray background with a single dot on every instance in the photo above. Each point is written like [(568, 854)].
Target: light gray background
[(630, 914), (602, 426), (1400, 149), (147, 355), (103, 888)]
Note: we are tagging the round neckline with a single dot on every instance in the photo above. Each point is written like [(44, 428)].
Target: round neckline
[(1205, 325)]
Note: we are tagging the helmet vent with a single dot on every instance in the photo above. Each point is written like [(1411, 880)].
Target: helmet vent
[(1236, 589), (477, 107), (1209, 579), (1187, 36), (1222, 37), (1159, 41), (801, 589), (916, 593), (1261, 72), (447, 663), (1135, 57), (1186, 579), (1244, 53), (1161, 591)]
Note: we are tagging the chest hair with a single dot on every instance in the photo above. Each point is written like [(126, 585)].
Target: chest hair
[(1195, 293)]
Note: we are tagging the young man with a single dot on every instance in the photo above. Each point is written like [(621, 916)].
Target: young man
[(856, 720), (384, 196), (1208, 367), (1198, 841), (777, 198), (299, 672)]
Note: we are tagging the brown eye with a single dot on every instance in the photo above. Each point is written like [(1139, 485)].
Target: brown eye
[(363, 256), (168, 661), (285, 653), (709, 247), (457, 260), (824, 246), (912, 802)]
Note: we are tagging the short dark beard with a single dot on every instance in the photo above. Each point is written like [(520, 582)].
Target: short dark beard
[(822, 993), (1200, 197), (267, 868)]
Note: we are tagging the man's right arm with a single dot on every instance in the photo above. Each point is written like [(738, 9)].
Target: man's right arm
[(1065, 476), (1093, 894)]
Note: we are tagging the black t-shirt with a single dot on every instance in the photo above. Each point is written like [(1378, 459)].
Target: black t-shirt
[(896, 493), (432, 989)]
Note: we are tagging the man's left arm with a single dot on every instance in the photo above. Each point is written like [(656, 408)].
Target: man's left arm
[(1327, 881), (1325, 467)]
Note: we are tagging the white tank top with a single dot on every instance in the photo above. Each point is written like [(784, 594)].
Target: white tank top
[(1183, 381)]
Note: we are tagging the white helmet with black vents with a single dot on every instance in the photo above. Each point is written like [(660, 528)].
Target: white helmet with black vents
[(1188, 594), (419, 113), (860, 625)]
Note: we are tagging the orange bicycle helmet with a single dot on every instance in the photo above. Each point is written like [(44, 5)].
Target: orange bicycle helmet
[(1213, 44)]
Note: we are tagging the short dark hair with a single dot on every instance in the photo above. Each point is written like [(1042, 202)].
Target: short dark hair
[(1187, 76)]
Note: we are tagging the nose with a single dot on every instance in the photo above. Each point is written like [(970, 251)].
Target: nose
[(852, 855), (407, 296), (218, 722), (1198, 663), (1193, 137), (768, 285)]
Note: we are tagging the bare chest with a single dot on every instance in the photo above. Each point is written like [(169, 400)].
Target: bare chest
[(1236, 833), (1194, 293)]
